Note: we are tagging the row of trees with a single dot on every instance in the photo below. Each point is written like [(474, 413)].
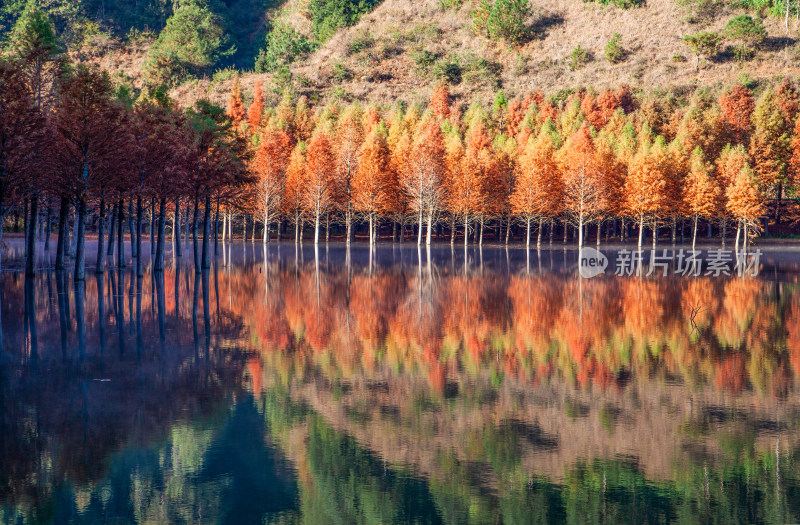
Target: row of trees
[(609, 161), (71, 141)]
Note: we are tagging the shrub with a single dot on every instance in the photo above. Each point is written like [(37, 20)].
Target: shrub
[(451, 4), (579, 58), (742, 53), (502, 20), (360, 41), (341, 73), (193, 40), (327, 16), (704, 43), (284, 46), (448, 69), (424, 60), (614, 51), (747, 30), (677, 57)]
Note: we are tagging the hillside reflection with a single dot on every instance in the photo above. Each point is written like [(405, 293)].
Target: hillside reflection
[(428, 387)]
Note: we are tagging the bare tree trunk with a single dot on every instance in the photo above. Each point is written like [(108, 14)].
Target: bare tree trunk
[(641, 231), (162, 210), (694, 234), (101, 263), (195, 243), (139, 256), (176, 233), (152, 226), (419, 231), (121, 235), (430, 227), (130, 228), (30, 258), (62, 233), (112, 234), (80, 257), (528, 232), (207, 234), (49, 229), (316, 228)]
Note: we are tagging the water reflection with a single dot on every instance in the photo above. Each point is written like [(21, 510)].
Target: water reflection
[(399, 385)]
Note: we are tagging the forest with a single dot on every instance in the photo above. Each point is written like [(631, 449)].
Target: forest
[(84, 156)]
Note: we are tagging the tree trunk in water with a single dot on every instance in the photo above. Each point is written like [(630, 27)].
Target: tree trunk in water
[(69, 247), (162, 210), (599, 230), (139, 263), (121, 235), (207, 234), (101, 263), (694, 234), (371, 230), (327, 226), (266, 228), (316, 228), (466, 230), (674, 229), (152, 226), (738, 231), (130, 228), (419, 231), (539, 233), (112, 233), (216, 230), (528, 233), (655, 235), (48, 229), (177, 233), (224, 227), (480, 241), (641, 231), (348, 225), (195, 244), (430, 227), (724, 230), (80, 256), (62, 233), (30, 259), (26, 224)]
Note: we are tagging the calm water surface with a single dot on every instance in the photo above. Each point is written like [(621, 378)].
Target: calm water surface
[(313, 386)]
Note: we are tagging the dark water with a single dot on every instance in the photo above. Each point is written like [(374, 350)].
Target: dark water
[(416, 386)]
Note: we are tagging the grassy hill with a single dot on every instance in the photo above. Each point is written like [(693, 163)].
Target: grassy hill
[(399, 49)]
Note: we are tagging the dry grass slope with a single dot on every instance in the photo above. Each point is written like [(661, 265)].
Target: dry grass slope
[(388, 54)]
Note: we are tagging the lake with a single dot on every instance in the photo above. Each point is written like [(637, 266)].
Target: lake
[(301, 385)]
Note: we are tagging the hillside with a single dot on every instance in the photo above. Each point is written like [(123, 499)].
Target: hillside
[(399, 49), (404, 47)]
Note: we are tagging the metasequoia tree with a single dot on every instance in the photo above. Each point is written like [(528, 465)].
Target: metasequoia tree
[(89, 129), (538, 190), (701, 192), (292, 201), (737, 108), (583, 191), (770, 145), (745, 202), (422, 180), (645, 185), (269, 167), (256, 109), (370, 196), (20, 121), (349, 137), (318, 185)]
